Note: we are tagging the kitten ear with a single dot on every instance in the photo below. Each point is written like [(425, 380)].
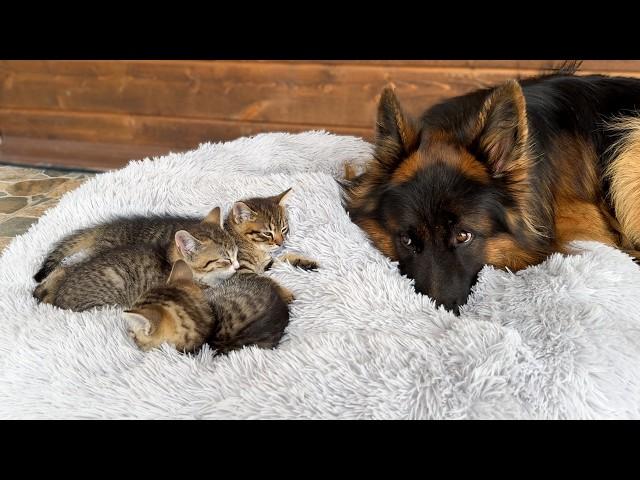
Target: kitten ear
[(180, 272), (213, 217), (143, 320), (242, 213), (280, 198), (187, 244)]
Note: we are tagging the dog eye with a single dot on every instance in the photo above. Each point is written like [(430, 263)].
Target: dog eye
[(463, 237), (405, 239)]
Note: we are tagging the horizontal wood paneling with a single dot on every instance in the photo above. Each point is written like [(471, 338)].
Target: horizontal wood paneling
[(299, 94), (592, 66), (75, 154), (151, 105), (342, 95), (138, 129)]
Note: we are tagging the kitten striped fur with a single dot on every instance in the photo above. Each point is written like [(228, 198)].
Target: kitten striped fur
[(244, 310), (259, 227)]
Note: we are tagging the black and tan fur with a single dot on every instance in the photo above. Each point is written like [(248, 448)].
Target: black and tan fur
[(247, 309), (502, 176)]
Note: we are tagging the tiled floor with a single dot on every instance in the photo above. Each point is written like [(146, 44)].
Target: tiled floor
[(26, 193)]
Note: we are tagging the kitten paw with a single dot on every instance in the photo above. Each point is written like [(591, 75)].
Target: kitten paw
[(299, 261), (40, 292), (43, 294), (286, 294)]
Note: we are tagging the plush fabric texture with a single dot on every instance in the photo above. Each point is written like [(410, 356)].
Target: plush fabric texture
[(559, 340)]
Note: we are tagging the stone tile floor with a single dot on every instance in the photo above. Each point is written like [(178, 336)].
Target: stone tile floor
[(26, 193)]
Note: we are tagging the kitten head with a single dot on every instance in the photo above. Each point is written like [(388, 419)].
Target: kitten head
[(176, 313), (208, 250), (261, 220)]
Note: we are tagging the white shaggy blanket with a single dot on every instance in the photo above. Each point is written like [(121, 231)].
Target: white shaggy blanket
[(560, 340)]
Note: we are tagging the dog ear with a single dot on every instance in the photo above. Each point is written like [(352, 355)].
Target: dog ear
[(396, 134), (500, 132)]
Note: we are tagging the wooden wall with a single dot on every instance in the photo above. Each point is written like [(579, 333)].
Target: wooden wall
[(100, 114)]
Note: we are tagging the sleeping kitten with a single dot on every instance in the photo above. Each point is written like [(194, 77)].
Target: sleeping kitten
[(118, 232), (250, 309), (112, 277), (120, 275), (259, 227), (176, 312), (206, 248), (244, 310)]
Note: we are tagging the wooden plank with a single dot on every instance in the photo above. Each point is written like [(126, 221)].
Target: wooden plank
[(88, 154), (104, 67), (76, 154), (308, 94), (145, 130), (593, 66), (99, 114)]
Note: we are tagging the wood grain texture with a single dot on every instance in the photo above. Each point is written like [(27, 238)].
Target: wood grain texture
[(294, 93), (151, 105), (307, 94), (83, 155), (146, 130), (600, 66)]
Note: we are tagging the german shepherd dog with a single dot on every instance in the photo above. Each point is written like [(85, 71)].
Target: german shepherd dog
[(502, 176)]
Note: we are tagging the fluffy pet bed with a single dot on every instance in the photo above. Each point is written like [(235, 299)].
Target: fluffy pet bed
[(560, 340)]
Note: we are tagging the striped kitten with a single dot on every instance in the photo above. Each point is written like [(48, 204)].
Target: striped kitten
[(120, 231), (250, 309), (118, 276), (204, 244), (259, 227), (244, 310), (112, 277), (176, 313)]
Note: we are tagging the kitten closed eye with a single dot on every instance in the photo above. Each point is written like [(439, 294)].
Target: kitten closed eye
[(126, 255), (259, 226)]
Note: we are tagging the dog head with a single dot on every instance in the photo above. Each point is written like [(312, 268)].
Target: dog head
[(449, 193)]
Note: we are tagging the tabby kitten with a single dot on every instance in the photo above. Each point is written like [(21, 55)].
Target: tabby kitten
[(112, 277), (176, 313), (259, 227), (208, 249), (250, 309), (120, 231), (244, 310), (118, 276)]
